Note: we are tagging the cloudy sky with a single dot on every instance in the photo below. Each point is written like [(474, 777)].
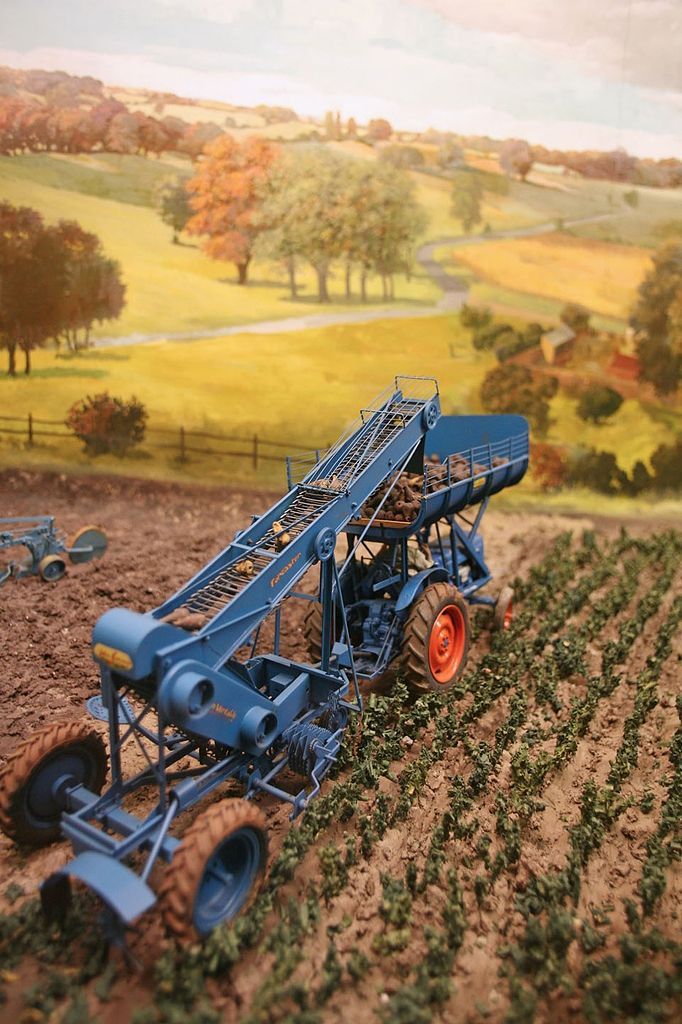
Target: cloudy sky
[(566, 73)]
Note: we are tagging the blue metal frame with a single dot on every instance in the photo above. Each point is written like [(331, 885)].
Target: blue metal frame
[(250, 720)]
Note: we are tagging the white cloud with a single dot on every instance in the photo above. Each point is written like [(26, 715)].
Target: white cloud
[(637, 41), (225, 12)]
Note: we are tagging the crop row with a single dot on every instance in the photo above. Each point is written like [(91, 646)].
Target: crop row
[(540, 954), (396, 893), (464, 795), (335, 865)]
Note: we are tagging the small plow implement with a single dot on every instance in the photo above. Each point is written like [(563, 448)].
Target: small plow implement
[(49, 550), (185, 686)]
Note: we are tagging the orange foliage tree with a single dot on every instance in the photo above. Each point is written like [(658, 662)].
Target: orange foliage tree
[(225, 195), (548, 466)]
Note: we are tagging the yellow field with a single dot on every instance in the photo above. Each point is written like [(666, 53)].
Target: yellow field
[(599, 275), (302, 387)]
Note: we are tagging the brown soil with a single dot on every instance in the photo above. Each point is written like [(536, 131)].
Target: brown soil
[(159, 535)]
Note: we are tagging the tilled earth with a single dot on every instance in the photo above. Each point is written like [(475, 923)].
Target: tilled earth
[(159, 535)]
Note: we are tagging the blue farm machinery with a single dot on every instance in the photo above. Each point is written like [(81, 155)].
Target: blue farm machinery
[(390, 516), (49, 551)]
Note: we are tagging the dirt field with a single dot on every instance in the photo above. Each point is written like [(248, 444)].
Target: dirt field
[(508, 854)]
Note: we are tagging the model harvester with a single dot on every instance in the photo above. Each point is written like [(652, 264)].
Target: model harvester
[(185, 686)]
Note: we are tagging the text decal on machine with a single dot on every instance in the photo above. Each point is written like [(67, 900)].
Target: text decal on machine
[(275, 579)]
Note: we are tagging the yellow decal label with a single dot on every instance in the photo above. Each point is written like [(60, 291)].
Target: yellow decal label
[(282, 572), (225, 712), (479, 482), (112, 657)]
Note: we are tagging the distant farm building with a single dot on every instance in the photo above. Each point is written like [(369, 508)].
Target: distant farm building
[(557, 345), (624, 367)]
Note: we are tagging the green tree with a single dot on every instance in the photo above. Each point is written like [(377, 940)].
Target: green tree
[(475, 317), (641, 479), (329, 126), (575, 316), (171, 200), (324, 207), (394, 222), (657, 317), (283, 237), (599, 471), (598, 403), (666, 463), (466, 201), (631, 198), (402, 156), (450, 154), (511, 388)]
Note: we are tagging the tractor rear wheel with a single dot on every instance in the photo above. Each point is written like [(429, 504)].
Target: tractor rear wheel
[(37, 776), (217, 869), (436, 639), (504, 609)]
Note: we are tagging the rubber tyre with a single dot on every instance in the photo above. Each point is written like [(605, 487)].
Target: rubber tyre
[(180, 891), (28, 770), (312, 631), (52, 568), (440, 613), (504, 609)]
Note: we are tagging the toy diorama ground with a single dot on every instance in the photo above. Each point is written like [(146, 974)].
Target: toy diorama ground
[(504, 854)]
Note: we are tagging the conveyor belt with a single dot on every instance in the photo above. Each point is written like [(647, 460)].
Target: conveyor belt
[(242, 585)]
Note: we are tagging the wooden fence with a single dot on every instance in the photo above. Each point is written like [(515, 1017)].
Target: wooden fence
[(183, 442)]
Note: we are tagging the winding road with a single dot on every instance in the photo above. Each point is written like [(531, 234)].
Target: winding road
[(455, 291)]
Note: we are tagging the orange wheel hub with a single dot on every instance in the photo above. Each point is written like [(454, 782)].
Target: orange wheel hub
[(508, 615), (446, 643)]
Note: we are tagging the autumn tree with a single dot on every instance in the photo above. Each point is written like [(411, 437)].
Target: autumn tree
[(225, 194), (54, 281), (19, 230), (516, 158), (92, 289), (172, 204), (548, 466), (379, 129), (194, 139)]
